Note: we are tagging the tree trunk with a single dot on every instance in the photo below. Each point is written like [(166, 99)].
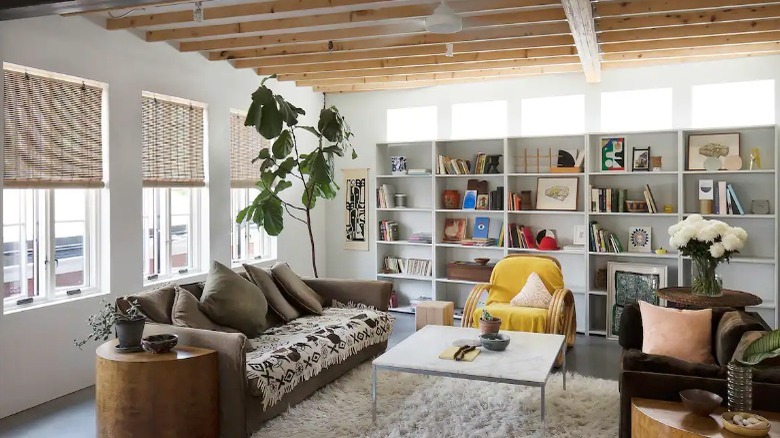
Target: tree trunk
[(311, 243)]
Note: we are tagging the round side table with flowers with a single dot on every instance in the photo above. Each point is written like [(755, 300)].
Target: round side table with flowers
[(707, 243)]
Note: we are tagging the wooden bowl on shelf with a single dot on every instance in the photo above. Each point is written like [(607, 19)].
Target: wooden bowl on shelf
[(636, 206), (482, 261)]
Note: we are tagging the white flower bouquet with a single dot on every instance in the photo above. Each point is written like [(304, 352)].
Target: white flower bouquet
[(708, 243)]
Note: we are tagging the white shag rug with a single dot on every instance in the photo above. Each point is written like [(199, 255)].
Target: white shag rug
[(412, 405)]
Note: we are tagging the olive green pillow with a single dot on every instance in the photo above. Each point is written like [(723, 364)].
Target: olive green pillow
[(186, 313), (296, 290), (156, 304), (276, 301), (230, 300)]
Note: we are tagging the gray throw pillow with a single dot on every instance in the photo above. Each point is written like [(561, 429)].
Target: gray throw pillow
[(276, 301), (296, 290), (186, 312), (230, 300), (156, 304)]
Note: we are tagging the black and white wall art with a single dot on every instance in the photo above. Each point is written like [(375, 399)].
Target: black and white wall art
[(356, 209)]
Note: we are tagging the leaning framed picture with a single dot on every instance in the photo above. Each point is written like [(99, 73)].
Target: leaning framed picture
[(628, 283), (709, 151), (640, 159), (557, 193), (613, 154)]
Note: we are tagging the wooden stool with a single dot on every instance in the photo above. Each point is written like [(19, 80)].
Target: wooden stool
[(434, 312), (171, 394)]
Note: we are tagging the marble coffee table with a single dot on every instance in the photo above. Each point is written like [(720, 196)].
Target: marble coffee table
[(527, 361)]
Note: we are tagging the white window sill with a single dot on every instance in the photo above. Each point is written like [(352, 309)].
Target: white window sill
[(189, 277), (10, 307), (237, 265)]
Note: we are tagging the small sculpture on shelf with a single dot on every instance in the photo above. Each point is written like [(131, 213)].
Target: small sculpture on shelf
[(492, 164)]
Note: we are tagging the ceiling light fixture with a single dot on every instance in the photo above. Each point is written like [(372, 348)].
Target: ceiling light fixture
[(197, 13), (443, 20)]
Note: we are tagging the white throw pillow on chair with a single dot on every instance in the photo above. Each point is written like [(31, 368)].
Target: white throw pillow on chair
[(533, 294)]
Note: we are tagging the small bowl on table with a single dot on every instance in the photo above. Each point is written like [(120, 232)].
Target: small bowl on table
[(482, 261), (759, 427), (700, 402), (159, 343), (494, 341)]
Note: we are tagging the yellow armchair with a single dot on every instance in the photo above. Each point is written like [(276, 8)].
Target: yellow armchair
[(508, 277)]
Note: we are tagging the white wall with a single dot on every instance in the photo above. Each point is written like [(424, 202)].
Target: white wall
[(366, 113), (38, 361)]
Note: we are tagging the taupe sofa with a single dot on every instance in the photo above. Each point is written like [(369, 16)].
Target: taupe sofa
[(242, 412)]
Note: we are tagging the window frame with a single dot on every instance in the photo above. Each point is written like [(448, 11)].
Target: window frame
[(242, 231), (162, 215), (44, 248)]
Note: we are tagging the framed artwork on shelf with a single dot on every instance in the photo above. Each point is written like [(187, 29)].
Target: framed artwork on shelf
[(710, 151), (483, 199), (470, 200), (454, 230), (640, 161), (613, 156), (580, 235), (639, 239), (356, 209), (557, 193), (628, 283)]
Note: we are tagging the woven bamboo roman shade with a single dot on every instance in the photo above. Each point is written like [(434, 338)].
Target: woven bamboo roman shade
[(245, 144), (172, 137), (53, 132)]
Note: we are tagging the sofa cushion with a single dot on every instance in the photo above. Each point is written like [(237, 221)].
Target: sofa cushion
[(296, 290), (731, 327), (186, 313), (230, 300), (518, 319), (682, 334), (635, 360), (533, 294), (287, 355), (156, 304), (263, 279)]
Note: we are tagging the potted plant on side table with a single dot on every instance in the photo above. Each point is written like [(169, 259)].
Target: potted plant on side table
[(488, 323), (129, 326)]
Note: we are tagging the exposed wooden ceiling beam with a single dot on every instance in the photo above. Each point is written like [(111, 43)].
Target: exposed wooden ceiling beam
[(415, 39), (579, 13), (407, 51), (443, 75), (477, 57), (435, 68), (677, 19), (364, 16), (637, 7), (693, 53), (232, 11), (680, 43), (618, 64), (728, 28)]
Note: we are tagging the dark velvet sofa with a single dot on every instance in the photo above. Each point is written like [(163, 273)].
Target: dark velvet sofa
[(662, 377)]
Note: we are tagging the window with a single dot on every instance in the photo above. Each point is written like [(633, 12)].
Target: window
[(558, 115), (53, 179), (412, 124), (636, 110), (479, 120), (247, 240), (173, 133), (733, 104)]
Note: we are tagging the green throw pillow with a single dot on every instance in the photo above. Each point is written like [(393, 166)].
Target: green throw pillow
[(276, 301), (296, 290), (230, 300)]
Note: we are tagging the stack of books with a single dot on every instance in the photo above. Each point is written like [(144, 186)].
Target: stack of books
[(453, 166), (607, 200), (521, 236), (650, 199), (602, 240), (496, 201), (385, 196), (388, 231), (418, 172), (423, 237), (399, 265), (726, 200)]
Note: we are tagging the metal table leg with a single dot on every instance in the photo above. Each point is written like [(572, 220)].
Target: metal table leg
[(563, 351), (543, 405), (373, 394)]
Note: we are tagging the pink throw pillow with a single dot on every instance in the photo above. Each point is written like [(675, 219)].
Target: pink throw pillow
[(682, 334)]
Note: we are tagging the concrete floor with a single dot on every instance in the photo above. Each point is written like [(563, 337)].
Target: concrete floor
[(74, 415)]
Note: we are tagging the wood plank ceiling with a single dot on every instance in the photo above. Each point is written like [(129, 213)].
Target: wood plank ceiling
[(360, 45)]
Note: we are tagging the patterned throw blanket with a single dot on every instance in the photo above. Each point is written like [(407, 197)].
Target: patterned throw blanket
[(284, 356)]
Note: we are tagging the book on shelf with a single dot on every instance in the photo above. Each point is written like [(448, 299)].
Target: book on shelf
[(607, 200), (400, 265), (726, 200), (521, 236), (423, 237), (497, 199), (388, 231), (602, 240), (418, 172), (650, 199), (452, 166), (481, 228), (479, 242), (385, 196)]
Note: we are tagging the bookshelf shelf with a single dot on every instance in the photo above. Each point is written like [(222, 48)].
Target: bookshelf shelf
[(674, 185), (401, 242)]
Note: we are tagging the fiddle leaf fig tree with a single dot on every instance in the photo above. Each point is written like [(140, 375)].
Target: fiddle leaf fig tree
[(277, 119)]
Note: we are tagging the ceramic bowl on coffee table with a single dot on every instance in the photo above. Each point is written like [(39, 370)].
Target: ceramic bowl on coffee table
[(494, 341), (159, 343)]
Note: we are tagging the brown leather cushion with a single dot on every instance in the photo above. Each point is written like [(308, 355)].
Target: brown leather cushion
[(276, 301), (296, 290), (729, 333), (156, 304), (635, 360)]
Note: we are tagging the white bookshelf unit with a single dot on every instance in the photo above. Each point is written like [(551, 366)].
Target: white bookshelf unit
[(754, 270)]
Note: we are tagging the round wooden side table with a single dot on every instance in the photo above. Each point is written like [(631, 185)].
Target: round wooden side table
[(658, 418), (730, 298), (144, 394)]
